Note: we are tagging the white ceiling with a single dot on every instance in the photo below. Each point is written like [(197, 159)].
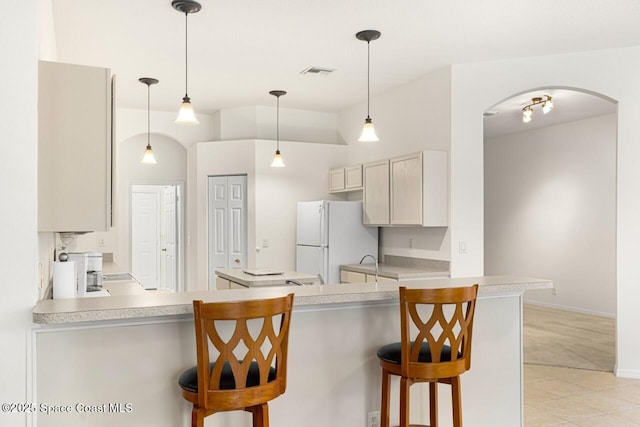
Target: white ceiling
[(569, 105), (240, 50)]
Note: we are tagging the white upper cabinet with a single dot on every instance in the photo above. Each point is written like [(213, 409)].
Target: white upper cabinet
[(336, 180), (414, 191), (74, 147), (353, 177), (375, 196), (347, 178)]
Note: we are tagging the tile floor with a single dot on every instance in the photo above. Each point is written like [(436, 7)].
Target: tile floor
[(555, 396)]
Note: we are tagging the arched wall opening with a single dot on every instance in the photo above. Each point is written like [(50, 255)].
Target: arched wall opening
[(171, 168), (550, 211)]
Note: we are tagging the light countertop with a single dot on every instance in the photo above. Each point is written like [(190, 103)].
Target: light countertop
[(395, 271), (251, 281), (149, 304)]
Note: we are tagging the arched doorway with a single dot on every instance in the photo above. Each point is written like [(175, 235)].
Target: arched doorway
[(550, 211)]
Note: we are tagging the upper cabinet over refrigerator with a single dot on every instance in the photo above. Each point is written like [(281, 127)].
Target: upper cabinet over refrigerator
[(75, 147)]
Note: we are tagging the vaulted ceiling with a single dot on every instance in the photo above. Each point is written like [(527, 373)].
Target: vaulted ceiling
[(240, 50)]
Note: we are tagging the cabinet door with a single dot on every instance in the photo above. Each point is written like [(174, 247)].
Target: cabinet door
[(371, 278), (336, 179), (353, 177), (352, 277), (376, 193), (222, 283), (234, 285), (406, 190), (74, 147)]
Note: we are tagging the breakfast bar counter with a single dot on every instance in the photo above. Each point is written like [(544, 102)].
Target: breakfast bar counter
[(148, 304), (130, 349)]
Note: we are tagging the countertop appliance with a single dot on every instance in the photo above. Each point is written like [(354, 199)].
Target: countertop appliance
[(88, 272), (331, 233)]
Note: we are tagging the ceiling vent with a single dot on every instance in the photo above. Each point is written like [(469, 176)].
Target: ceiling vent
[(317, 71)]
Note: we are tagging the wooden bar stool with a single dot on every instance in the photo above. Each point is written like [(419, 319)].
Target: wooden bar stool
[(438, 353), (248, 371)]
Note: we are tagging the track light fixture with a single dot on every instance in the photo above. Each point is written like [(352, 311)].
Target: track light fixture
[(545, 101)]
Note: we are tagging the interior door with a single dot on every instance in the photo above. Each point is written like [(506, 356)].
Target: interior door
[(169, 259), (227, 221), (145, 227)]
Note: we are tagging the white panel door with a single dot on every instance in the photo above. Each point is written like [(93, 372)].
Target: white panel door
[(145, 259), (169, 260), (237, 226), (227, 221)]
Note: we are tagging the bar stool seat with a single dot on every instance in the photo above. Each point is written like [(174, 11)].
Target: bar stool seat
[(250, 367), (439, 350)]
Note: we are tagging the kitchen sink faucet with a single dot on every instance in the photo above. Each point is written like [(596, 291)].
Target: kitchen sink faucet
[(375, 261)]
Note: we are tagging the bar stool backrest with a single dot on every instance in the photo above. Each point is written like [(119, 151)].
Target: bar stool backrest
[(267, 348), (447, 331)]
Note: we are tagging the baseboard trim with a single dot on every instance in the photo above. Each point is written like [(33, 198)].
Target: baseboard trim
[(627, 373), (569, 308)]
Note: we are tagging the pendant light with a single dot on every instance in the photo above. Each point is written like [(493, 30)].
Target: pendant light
[(277, 162), (368, 131), (148, 157), (186, 116)]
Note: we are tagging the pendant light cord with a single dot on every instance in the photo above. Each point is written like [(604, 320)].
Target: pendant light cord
[(186, 57), (277, 123), (368, 78), (148, 115)]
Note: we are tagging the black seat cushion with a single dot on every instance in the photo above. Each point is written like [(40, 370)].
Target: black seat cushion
[(189, 378), (392, 353)]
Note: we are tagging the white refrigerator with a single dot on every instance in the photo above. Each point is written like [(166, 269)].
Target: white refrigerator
[(331, 233)]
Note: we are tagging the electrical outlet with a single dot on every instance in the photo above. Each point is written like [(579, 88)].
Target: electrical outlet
[(410, 243), (373, 419), (100, 242)]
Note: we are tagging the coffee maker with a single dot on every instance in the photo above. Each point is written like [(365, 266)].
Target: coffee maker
[(88, 272), (94, 271)]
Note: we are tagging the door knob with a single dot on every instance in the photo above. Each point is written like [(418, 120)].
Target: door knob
[(237, 260), (164, 249)]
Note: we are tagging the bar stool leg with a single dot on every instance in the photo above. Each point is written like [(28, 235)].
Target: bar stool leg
[(197, 417), (433, 404), (260, 415), (384, 406), (405, 384), (456, 400)]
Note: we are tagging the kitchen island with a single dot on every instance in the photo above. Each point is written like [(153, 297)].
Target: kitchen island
[(233, 278), (132, 348)]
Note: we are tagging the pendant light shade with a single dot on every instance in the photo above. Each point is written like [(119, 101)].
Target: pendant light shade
[(368, 131), (278, 161), (186, 115), (148, 157)]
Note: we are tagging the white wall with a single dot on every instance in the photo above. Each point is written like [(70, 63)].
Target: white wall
[(476, 87), (278, 190), (259, 122), (272, 195), (410, 118), (130, 122), (214, 158), (18, 191), (550, 211)]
